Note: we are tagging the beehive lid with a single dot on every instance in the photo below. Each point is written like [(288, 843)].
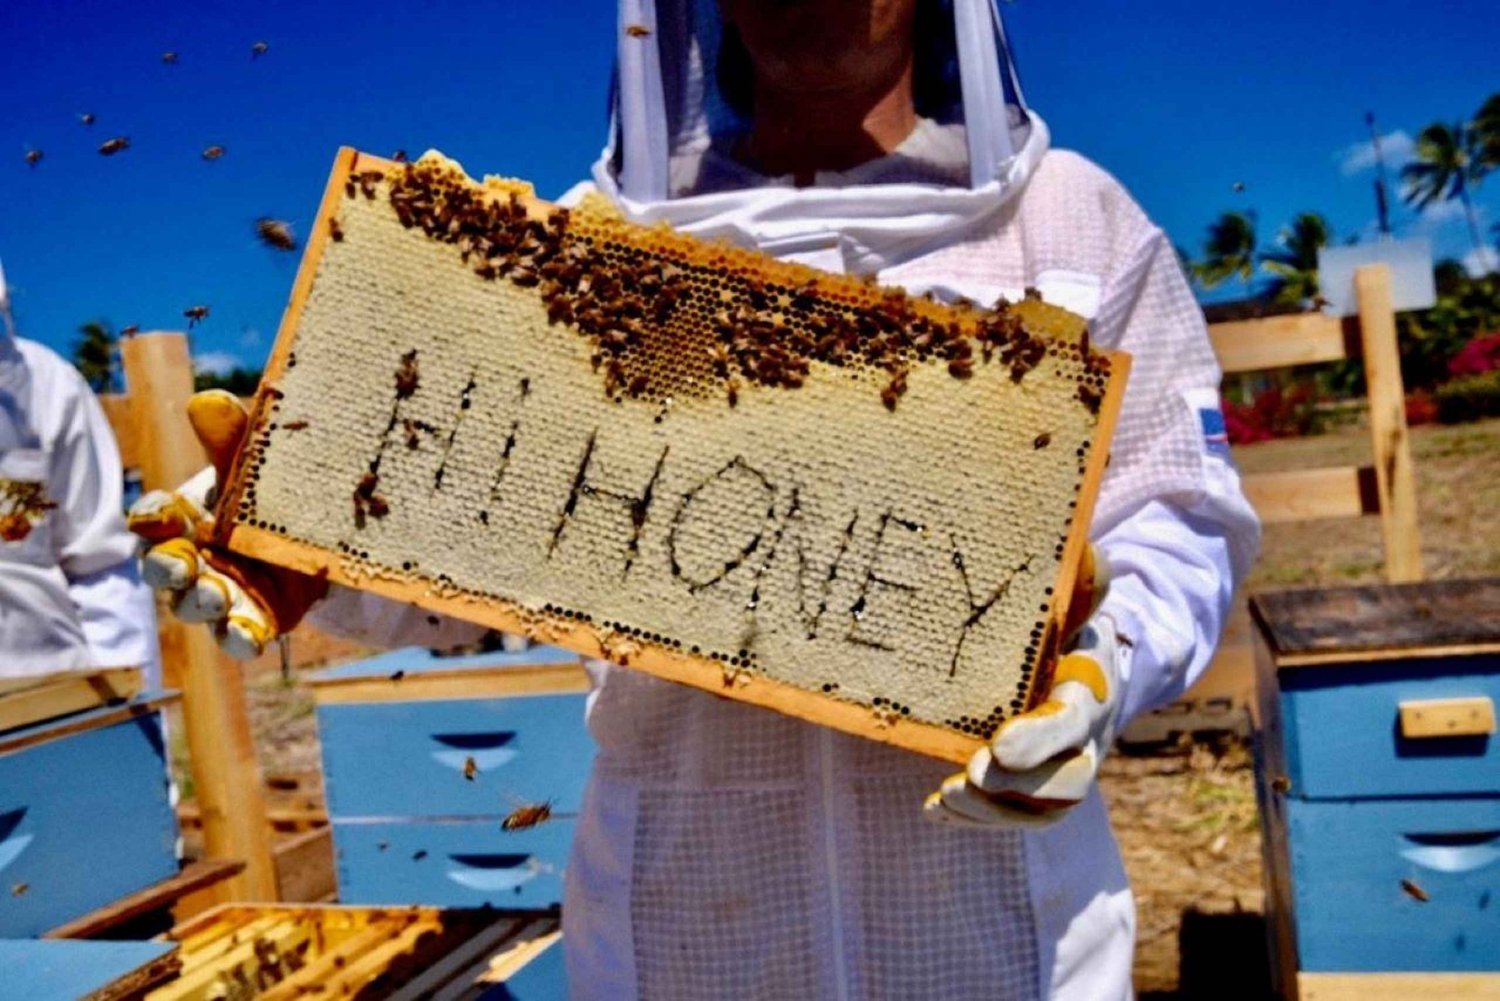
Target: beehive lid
[(84, 971), (791, 488), (415, 674), (1328, 625), (414, 662)]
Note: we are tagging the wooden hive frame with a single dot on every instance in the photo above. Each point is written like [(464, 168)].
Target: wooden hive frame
[(281, 953), (1054, 330)]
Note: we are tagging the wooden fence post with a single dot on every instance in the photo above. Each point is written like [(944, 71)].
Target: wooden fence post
[(226, 778), (1394, 475)]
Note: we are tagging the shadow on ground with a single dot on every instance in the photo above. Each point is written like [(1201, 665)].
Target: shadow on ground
[(1222, 957)]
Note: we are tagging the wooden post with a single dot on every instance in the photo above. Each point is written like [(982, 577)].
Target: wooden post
[(1394, 475), (226, 778)]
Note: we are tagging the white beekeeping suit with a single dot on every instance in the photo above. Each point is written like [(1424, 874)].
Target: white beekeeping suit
[(71, 595), (727, 851)]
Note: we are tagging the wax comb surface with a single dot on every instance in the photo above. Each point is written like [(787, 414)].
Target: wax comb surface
[(792, 488)]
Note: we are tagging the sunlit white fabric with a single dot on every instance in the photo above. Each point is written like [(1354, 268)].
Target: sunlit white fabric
[(727, 851), (69, 594)]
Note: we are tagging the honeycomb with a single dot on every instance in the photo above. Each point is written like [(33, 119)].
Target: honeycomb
[(798, 489)]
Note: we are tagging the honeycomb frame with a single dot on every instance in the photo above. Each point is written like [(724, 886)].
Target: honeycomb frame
[(761, 357)]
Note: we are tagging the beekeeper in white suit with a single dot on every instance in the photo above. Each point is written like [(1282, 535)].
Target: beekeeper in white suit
[(727, 851), (71, 595)]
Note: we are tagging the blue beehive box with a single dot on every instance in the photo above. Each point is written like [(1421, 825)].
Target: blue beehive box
[(84, 814), (424, 757), (1379, 786)]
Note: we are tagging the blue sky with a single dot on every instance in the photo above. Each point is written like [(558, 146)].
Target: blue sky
[(1180, 100)]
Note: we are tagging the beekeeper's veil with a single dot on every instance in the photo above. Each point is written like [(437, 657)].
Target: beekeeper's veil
[(15, 379), (679, 101)]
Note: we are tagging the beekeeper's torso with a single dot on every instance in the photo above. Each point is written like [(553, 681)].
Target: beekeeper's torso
[(70, 597)]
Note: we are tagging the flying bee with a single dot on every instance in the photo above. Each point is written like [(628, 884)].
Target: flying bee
[(637, 30), (275, 233), (195, 315), (527, 816), (1414, 891), (399, 156), (212, 153), (169, 58), (19, 890), (34, 157), (87, 118), (112, 146), (471, 768), (130, 330), (259, 49)]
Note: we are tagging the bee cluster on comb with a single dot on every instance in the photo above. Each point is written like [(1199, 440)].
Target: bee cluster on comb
[(797, 489), (764, 332)]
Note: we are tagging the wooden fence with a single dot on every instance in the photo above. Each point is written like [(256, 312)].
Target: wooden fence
[(1385, 488), (150, 424)]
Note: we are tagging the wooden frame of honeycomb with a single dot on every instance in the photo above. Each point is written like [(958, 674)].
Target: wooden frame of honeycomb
[(798, 490)]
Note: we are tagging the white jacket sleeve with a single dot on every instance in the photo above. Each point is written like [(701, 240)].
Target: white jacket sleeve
[(118, 614), (369, 618), (1172, 520), (90, 542)]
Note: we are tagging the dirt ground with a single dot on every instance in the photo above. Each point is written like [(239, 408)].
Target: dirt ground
[(1185, 816)]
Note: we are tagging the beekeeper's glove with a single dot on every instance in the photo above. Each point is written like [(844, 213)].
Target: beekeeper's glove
[(247, 603), (1042, 763)]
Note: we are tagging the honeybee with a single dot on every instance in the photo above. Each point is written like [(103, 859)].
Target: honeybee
[(259, 49), (169, 58), (894, 390), (34, 157), (335, 230), (407, 378), (87, 118), (637, 30), (1042, 440), (195, 314), (112, 146), (19, 890), (212, 153), (471, 768), (1414, 891), (295, 425), (275, 233), (527, 816), (130, 330)]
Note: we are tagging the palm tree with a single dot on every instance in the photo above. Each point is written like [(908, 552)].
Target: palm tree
[(1229, 250), (94, 355), (1486, 127), (1295, 264), (1446, 164)]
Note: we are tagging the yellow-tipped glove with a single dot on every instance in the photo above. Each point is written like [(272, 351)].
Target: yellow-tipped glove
[(248, 603), (1042, 763)]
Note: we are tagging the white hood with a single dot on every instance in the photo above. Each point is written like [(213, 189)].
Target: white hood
[(668, 112), (7, 326)]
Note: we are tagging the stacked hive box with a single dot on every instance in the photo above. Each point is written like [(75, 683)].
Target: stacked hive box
[(84, 811), (1380, 789), (426, 757)]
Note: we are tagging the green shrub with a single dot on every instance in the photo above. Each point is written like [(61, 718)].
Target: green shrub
[(1469, 398)]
